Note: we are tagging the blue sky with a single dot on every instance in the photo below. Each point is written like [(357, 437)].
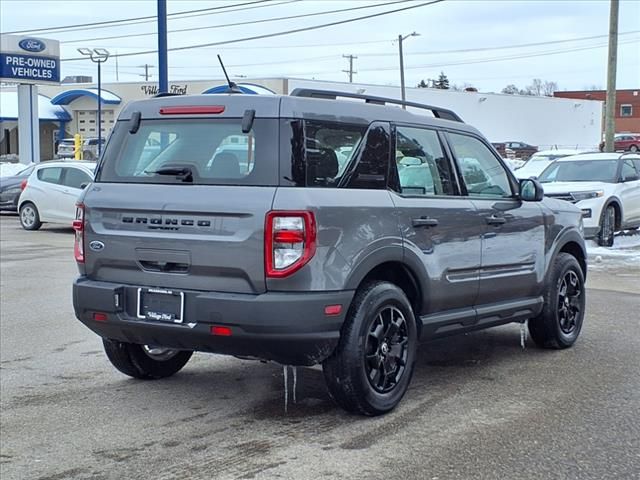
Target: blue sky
[(492, 30)]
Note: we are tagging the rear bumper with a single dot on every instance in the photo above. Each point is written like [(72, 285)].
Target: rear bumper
[(289, 328)]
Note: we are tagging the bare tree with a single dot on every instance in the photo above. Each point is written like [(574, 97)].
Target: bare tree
[(511, 89), (548, 88)]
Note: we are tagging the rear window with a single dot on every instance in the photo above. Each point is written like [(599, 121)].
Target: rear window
[(216, 151)]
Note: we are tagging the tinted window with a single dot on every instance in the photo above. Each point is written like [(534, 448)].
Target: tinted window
[(580, 171), (637, 164), (74, 177), (628, 170), (483, 174), (215, 151), (372, 160), (422, 166), (50, 175), (320, 151)]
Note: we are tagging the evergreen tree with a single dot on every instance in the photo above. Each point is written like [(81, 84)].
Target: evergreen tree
[(442, 82)]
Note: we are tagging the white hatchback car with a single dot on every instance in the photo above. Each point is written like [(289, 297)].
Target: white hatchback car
[(51, 191), (541, 160), (605, 186)]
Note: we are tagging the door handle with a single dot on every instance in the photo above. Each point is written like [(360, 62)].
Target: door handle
[(424, 222), (495, 220)]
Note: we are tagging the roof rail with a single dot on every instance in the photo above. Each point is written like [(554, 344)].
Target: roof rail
[(629, 152), (166, 94), (438, 112)]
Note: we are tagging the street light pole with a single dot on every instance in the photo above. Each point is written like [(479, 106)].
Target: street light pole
[(402, 89), (99, 56)]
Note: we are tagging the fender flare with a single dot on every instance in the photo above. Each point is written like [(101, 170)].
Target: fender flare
[(566, 236)]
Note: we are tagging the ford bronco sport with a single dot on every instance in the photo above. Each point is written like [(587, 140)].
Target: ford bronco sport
[(310, 230)]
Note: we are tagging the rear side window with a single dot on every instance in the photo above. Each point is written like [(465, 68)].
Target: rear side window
[(422, 166), (50, 175), (320, 151), (215, 151), (75, 178)]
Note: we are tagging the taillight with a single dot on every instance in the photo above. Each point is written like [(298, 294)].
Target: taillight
[(23, 185), (290, 241), (78, 226)]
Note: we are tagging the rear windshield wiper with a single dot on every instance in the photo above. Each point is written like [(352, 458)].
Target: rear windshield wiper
[(181, 173)]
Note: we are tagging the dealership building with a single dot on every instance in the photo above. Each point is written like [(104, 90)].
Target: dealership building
[(546, 122)]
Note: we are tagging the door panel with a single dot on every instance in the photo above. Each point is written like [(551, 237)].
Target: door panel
[(630, 192), (512, 251)]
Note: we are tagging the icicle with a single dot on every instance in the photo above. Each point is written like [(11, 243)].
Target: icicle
[(295, 381), (523, 333), (286, 389)]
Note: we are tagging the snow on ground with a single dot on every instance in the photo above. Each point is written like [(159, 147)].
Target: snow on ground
[(624, 253)]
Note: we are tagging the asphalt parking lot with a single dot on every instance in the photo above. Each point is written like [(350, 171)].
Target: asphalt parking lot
[(479, 407)]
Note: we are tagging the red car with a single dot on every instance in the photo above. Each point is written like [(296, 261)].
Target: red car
[(624, 142)]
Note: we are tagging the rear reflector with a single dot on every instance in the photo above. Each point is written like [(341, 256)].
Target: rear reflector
[(192, 109), (221, 331), (100, 317), (332, 309)]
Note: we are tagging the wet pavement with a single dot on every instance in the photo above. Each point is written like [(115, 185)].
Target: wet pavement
[(479, 406)]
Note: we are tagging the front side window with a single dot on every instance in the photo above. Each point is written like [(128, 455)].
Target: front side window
[(481, 171), (50, 175), (423, 169), (75, 178), (628, 172), (214, 151)]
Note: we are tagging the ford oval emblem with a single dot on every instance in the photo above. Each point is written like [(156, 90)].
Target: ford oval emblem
[(32, 45), (96, 246)]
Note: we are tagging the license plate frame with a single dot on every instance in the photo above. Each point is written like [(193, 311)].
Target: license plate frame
[(144, 310)]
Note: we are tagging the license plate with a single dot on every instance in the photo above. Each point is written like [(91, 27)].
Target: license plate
[(160, 305)]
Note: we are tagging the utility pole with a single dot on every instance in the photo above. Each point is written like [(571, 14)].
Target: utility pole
[(117, 71), (163, 75), (350, 71), (146, 73), (400, 40), (610, 111)]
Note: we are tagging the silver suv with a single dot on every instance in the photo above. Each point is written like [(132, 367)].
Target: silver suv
[(307, 229)]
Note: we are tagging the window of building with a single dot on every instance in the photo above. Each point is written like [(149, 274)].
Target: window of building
[(626, 110)]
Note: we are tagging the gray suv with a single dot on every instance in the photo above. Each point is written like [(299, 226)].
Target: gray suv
[(310, 229)]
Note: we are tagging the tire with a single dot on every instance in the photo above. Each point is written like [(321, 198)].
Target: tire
[(633, 148), (88, 155), (607, 227), (29, 216), (140, 361), (560, 323), (371, 368)]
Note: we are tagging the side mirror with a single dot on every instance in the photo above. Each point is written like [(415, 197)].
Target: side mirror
[(84, 185), (531, 190)]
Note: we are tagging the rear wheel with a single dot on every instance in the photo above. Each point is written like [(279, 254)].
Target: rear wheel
[(372, 366), (146, 362), (633, 148), (560, 322), (607, 227), (29, 217)]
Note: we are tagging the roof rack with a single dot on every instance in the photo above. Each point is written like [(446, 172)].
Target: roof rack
[(438, 112), (166, 94)]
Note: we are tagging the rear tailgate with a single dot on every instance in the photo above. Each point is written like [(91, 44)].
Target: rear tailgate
[(198, 237)]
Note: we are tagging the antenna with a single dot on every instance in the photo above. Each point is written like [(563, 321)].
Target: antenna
[(233, 88)]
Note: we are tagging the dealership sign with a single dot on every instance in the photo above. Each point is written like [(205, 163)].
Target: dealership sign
[(29, 60)]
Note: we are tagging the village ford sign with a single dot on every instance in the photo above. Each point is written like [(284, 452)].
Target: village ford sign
[(32, 45), (29, 60)]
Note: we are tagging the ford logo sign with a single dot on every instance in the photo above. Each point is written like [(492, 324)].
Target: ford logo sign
[(32, 45), (96, 246)]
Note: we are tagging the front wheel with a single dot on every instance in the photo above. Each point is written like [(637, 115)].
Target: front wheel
[(607, 227), (560, 322), (29, 217), (372, 366), (145, 362)]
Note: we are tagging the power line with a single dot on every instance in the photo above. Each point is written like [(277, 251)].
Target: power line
[(276, 34), (236, 24), (117, 23)]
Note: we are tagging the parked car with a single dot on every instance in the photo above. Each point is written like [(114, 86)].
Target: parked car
[(520, 150), (10, 189), (298, 261), (605, 186), (50, 193), (623, 142), (541, 160), (66, 148)]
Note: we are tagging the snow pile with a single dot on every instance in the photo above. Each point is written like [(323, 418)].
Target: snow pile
[(626, 247)]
